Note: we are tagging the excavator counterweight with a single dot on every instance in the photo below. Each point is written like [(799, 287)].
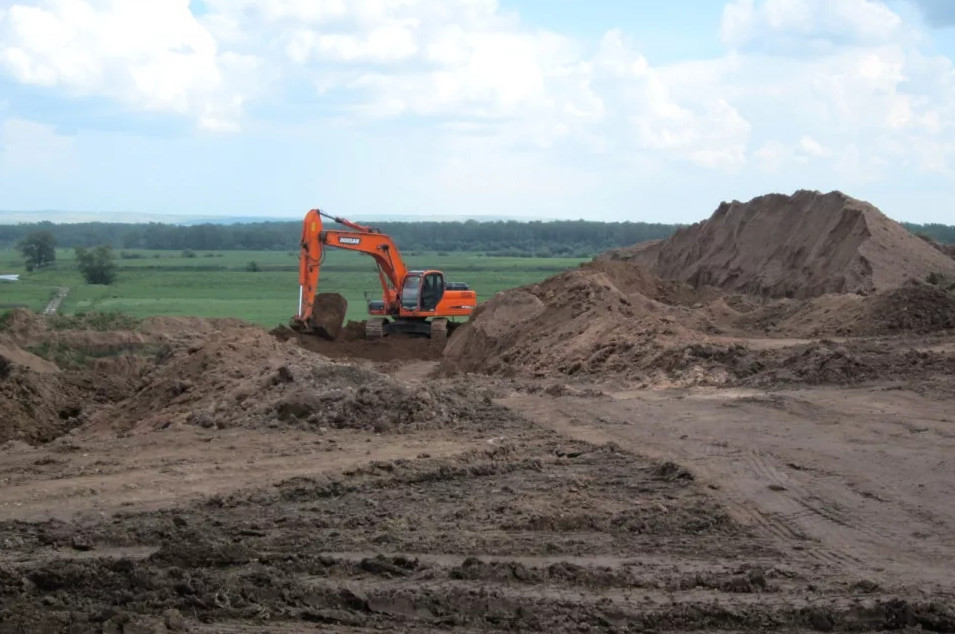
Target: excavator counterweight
[(418, 302)]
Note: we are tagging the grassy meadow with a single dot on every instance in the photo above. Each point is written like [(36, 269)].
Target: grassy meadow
[(227, 284)]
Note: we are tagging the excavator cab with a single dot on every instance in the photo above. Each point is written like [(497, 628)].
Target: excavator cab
[(422, 290), (432, 289)]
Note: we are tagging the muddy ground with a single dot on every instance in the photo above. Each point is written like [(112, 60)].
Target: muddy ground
[(240, 483)]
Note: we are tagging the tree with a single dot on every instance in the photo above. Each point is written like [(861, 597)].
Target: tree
[(96, 264), (38, 249)]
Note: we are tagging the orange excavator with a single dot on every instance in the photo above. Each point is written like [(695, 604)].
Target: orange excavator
[(412, 302)]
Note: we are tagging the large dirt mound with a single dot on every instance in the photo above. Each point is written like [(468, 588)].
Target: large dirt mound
[(603, 317), (612, 318), (244, 377), (799, 246), (57, 374)]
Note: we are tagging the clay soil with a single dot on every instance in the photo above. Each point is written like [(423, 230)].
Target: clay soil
[(208, 476)]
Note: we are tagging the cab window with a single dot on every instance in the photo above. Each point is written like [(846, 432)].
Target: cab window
[(409, 292), (431, 291)]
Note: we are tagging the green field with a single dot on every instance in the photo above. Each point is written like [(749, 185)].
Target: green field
[(221, 284)]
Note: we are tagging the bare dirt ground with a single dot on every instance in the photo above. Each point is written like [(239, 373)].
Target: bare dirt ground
[(585, 504)]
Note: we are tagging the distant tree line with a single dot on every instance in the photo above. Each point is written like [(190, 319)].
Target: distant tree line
[(536, 238), (940, 233)]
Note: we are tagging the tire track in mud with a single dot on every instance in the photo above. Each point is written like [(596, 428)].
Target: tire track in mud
[(755, 491), (795, 516)]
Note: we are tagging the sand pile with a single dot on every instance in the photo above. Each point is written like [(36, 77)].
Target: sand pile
[(612, 318), (102, 334), (21, 324), (53, 376), (915, 307), (798, 246), (605, 317), (189, 371), (36, 404), (243, 377)]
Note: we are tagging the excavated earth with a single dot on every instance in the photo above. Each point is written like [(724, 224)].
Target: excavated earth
[(224, 480), (803, 245), (606, 451)]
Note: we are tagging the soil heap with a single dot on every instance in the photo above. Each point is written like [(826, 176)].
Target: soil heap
[(798, 246), (243, 377), (841, 267), (61, 373), (605, 317)]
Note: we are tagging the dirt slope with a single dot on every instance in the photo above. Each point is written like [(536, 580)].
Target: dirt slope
[(244, 377), (612, 318), (187, 372), (799, 246), (604, 316)]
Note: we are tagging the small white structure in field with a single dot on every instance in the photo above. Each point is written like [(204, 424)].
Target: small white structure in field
[(9, 278)]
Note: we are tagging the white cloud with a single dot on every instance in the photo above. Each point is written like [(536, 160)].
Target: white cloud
[(149, 54), (803, 26), (833, 87), (27, 145), (848, 72), (470, 61)]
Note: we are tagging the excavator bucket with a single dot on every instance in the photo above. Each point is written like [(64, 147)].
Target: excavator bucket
[(328, 315)]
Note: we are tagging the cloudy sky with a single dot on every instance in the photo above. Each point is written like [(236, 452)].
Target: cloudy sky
[(596, 109)]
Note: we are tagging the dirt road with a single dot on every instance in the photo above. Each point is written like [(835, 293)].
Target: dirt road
[(54, 304), (856, 479)]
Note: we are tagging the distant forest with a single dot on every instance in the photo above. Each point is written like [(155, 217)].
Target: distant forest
[(509, 238), (577, 238)]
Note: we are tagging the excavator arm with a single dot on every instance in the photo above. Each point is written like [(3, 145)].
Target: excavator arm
[(363, 239), (309, 264), (379, 246)]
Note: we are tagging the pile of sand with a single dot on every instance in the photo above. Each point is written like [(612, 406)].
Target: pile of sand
[(605, 317), (915, 307), (244, 377), (189, 371), (613, 318), (80, 370), (798, 246), (35, 403)]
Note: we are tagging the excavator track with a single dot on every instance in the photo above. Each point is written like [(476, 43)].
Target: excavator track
[(439, 330), (375, 328)]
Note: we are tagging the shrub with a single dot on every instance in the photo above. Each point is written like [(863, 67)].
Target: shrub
[(38, 249), (96, 264)]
